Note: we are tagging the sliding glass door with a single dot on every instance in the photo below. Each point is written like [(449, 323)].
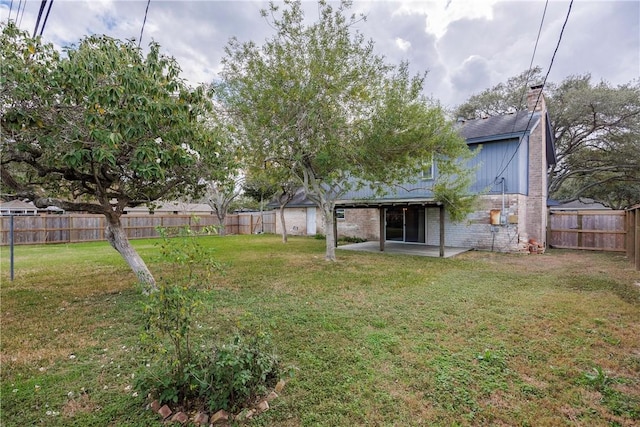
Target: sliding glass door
[(405, 224)]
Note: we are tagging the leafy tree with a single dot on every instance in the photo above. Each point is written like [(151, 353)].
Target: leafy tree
[(220, 195), (271, 181), (99, 130), (596, 127), (318, 101)]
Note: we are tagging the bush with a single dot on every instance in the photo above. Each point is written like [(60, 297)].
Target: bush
[(239, 372), (230, 376), (177, 370)]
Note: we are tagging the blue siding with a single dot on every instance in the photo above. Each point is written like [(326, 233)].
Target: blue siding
[(496, 160), (494, 157)]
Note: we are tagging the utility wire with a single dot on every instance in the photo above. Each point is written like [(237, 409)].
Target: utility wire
[(543, 83), (10, 10), (526, 84), (43, 3), (21, 16), (46, 17), (144, 22)]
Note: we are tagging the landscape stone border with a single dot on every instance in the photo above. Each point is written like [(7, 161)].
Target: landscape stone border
[(220, 418)]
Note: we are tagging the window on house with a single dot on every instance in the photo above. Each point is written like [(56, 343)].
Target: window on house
[(428, 170), (339, 213)]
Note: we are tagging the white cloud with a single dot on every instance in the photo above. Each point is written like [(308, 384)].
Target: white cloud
[(466, 45), (441, 13), (402, 44)]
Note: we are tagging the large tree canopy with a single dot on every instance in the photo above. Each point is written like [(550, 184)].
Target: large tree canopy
[(317, 100), (100, 129), (597, 131)]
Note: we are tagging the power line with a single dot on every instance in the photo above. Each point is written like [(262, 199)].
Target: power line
[(526, 84), (43, 3), (10, 10), (543, 84), (46, 17), (24, 5), (144, 22)]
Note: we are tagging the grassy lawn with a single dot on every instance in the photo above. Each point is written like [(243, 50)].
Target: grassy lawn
[(375, 339)]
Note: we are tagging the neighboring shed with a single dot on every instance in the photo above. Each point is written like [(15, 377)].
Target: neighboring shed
[(301, 215), (583, 204)]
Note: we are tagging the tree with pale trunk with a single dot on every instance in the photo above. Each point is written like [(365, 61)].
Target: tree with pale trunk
[(317, 100), (100, 129), (270, 181), (220, 194)]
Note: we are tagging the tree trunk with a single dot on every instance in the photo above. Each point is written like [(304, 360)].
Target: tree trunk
[(117, 237), (284, 226), (221, 218), (330, 254)]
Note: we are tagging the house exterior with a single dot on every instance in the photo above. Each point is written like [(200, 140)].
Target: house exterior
[(17, 207), (515, 151)]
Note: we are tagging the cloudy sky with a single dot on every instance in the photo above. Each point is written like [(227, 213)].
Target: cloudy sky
[(465, 45)]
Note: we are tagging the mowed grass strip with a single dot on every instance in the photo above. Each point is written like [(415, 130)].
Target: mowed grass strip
[(373, 339)]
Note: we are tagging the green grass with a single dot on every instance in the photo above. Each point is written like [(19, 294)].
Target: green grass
[(375, 339)]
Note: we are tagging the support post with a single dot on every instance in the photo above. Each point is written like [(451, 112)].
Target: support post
[(11, 244), (335, 228), (441, 231), (382, 227)]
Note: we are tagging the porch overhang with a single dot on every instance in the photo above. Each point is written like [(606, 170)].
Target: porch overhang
[(382, 204), (385, 203)]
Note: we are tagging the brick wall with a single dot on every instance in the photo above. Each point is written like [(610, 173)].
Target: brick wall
[(361, 223), (476, 231)]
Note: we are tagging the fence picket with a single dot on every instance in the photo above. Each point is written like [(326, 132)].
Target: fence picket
[(71, 228)]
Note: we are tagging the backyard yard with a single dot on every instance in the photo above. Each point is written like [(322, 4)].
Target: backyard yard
[(373, 339)]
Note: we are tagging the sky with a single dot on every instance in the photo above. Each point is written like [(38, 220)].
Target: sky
[(465, 46)]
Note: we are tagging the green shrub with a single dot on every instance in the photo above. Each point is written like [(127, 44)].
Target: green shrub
[(239, 372), (177, 369)]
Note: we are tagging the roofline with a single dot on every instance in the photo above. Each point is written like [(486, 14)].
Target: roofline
[(379, 203), (495, 138)]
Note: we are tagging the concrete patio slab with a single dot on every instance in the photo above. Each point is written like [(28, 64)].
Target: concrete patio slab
[(404, 248)]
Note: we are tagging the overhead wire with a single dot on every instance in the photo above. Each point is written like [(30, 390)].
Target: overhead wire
[(46, 17), (43, 4), (566, 19), (24, 5), (144, 22), (10, 10), (526, 84)]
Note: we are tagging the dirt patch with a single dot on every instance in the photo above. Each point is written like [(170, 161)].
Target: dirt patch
[(79, 404)]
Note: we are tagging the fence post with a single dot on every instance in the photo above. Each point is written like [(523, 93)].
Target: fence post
[(579, 230), (636, 244), (11, 244)]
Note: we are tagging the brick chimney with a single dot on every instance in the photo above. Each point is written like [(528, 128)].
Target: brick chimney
[(535, 94), (536, 200)]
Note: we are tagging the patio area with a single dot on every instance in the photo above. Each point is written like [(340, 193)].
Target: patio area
[(391, 247)]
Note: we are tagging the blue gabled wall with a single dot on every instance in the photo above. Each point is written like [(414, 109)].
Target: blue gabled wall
[(494, 161)]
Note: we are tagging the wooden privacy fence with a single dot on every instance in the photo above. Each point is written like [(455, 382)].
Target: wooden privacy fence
[(633, 235), (588, 230), (71, 228)]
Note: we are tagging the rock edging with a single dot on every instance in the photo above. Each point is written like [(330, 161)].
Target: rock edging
[(220, 418)]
